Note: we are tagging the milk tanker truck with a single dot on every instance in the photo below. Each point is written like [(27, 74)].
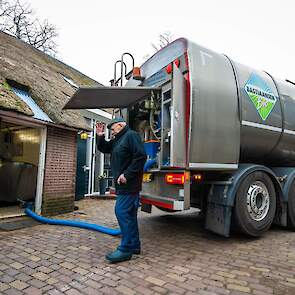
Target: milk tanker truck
[(219, 136)]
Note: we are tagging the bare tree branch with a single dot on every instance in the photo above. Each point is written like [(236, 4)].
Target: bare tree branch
[(18, 19), (163, 40)]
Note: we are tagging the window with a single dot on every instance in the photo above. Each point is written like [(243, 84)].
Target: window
[(71, 82), (25, 96)]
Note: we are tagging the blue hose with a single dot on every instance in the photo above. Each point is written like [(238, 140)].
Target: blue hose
[(92, 226), (149, 163)]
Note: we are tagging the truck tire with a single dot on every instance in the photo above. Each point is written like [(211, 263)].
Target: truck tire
[(291, 206), (255, 204)]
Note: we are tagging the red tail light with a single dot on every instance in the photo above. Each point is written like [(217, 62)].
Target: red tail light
[(169, 69), (172, 178), (177, 62)]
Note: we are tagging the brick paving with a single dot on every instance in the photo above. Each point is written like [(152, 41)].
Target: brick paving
[(178, 257)]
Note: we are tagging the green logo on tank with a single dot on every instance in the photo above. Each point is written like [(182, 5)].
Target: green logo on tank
[(261, 95)]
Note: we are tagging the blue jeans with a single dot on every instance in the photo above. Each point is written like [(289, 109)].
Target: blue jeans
[(126, 211)]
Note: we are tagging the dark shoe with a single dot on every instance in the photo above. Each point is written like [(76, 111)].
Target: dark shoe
[(136, 251), (118, 256)]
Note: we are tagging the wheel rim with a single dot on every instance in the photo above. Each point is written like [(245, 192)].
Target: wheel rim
[(258, 201)]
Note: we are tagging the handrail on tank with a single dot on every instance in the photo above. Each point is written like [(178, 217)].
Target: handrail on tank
[(289, 81), (114, 82), (122, 61)]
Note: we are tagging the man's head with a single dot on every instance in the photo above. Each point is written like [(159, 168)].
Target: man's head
[(116, 125)]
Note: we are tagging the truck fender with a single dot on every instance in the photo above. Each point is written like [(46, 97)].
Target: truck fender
[(286, 176), (221, 199)]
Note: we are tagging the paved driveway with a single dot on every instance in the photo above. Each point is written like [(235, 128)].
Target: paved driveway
[(179, 257)]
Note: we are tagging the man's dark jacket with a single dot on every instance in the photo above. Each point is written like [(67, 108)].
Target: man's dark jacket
[(127, 157)]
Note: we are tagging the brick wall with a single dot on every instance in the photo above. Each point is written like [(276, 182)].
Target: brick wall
[(60, 171)]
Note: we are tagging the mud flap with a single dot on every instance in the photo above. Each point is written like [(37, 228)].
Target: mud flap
[(146, 208), (218, 215), (218, 219), (281, 215)]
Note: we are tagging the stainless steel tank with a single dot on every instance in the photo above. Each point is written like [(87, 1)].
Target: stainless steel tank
[(18, 181), (238, 114)]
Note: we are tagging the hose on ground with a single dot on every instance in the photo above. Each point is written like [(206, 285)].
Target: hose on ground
[(85, 225)]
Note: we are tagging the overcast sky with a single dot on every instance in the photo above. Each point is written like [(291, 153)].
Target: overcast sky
[(94, 34)]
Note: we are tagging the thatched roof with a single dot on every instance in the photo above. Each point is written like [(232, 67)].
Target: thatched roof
[(44, 78)]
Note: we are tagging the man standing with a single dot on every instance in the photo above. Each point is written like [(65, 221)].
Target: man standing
[(127, 161)]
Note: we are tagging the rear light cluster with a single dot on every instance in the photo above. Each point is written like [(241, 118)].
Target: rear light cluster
[(197, 177), (169, 67), (179, 178), (173, 178)]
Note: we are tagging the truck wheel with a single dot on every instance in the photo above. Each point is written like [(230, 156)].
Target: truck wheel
[(255, 205), (291, 206)]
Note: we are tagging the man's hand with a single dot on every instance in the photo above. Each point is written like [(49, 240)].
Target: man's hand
[(100, 128), (121, 179)]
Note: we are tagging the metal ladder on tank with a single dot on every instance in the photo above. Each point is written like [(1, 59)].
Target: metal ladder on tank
[(123, 70), (116, 82)]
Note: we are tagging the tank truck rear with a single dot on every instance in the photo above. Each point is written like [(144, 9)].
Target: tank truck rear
[(220, 136)]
